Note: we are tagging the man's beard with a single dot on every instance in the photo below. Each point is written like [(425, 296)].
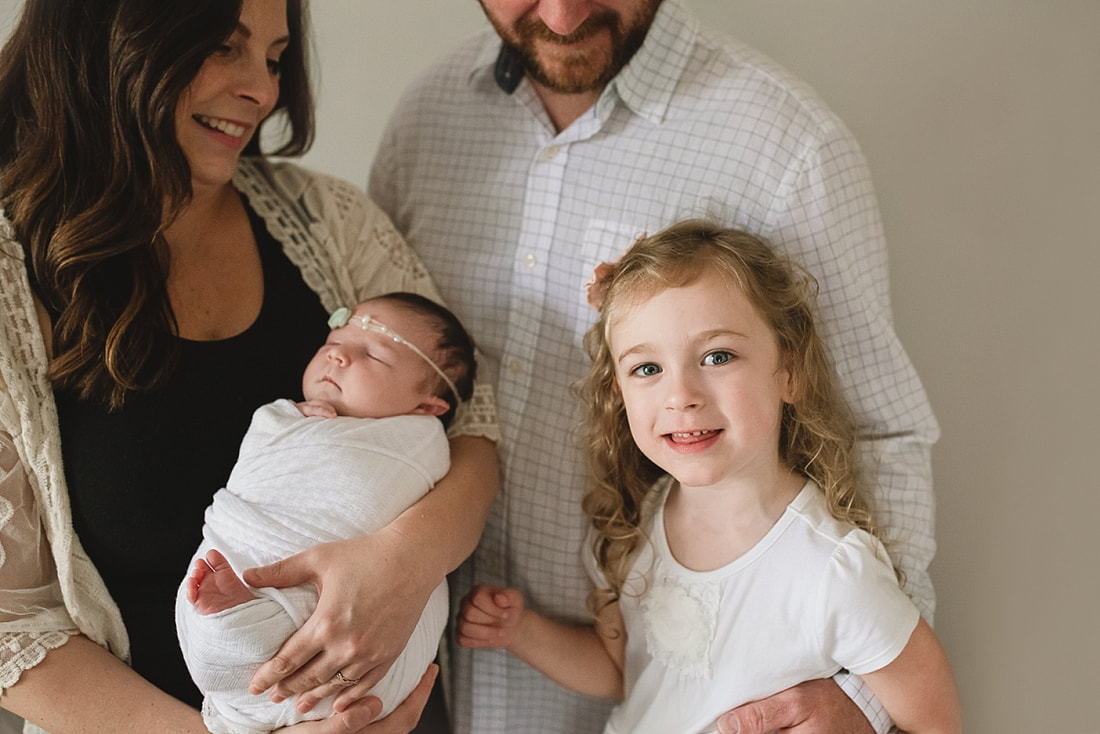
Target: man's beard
[(591, 69)]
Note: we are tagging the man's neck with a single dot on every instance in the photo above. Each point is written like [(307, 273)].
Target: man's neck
[(564, 109)]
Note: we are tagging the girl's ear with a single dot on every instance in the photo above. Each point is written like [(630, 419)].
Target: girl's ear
[(432, 405), (788, 384)]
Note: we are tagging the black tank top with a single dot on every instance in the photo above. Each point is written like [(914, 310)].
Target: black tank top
[(140, 478)]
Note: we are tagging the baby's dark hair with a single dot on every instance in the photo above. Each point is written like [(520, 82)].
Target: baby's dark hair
[(453, 351)]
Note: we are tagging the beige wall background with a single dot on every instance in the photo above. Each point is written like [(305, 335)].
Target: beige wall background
[(981, 123)]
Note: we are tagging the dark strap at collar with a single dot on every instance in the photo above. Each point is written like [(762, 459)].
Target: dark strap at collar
[(509, 70)]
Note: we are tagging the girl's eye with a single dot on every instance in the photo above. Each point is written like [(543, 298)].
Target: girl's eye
[(646, 370), (274, 66), (716, 358)]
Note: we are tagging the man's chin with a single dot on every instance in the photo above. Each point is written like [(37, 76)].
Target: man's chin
[(568, 71), (569, 81)]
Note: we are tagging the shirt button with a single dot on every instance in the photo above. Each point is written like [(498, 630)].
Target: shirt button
[(550, 152), (530, 260), (515, 366)]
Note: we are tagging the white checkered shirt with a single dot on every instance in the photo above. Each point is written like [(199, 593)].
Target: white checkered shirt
[(511, 218)]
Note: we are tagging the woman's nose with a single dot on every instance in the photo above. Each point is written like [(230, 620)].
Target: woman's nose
[(256, 83)]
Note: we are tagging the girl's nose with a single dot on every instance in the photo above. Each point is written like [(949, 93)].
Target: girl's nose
[(682, 393)]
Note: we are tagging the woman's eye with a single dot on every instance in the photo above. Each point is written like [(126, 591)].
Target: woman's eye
[(718, 357), (274, 66), (646, 370)]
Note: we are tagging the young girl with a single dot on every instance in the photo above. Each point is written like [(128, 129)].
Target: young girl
[(733, 550)]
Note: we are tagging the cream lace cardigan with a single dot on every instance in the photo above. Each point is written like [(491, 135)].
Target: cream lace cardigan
[(347, 251)]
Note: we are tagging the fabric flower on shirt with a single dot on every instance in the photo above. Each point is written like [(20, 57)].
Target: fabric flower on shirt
[(680, 623), (596, 288)]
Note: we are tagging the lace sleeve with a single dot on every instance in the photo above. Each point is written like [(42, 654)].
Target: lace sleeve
[(477, 416), (348, 250), (382, 261), (33, 618)]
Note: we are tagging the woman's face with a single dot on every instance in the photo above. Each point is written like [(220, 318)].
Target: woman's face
[(236, 88)]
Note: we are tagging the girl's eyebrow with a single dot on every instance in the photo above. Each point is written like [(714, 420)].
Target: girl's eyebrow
[(633, 350), (705, 336), (719, 333)]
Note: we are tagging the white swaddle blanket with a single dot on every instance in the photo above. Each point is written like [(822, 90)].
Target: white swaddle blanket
[(299, 482)]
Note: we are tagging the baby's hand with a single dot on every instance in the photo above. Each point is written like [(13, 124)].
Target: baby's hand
[(316, 409), (489, 617)]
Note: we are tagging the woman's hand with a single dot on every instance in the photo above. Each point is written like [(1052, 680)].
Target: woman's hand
[(359, 718), (371, 595)]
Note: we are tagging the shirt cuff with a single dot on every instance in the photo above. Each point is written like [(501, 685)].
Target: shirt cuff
[(861, 694)]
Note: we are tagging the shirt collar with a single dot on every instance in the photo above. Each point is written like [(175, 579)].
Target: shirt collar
[(647, 83)]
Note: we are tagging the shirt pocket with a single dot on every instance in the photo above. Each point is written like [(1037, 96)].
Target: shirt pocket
[(604, 240)]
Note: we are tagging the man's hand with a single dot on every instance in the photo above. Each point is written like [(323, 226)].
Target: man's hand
[(813, 707)]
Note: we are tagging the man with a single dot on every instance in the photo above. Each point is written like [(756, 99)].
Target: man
[(528, 156)]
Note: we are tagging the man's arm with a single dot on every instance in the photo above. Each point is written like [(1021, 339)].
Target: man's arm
[(829, 221)]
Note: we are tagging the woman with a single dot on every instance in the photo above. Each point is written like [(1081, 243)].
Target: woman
[(150, 258)]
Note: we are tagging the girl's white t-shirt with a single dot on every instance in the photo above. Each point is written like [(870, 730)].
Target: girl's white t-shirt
[(815, 595)]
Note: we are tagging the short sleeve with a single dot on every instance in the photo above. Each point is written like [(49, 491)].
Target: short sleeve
[(866, 617)]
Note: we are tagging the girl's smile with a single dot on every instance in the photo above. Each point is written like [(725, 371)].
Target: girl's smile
[(692, 442), (701, 379)]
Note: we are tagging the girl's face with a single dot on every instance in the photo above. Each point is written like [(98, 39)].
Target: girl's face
[(701, 380), (365, 374), (236, 88)]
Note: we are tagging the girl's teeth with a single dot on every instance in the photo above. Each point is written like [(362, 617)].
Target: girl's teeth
[(693, 433), (226, 127)]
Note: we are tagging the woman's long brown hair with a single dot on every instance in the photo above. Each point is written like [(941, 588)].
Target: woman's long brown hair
[(91, 172)]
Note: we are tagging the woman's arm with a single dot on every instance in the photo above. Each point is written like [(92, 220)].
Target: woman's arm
[(374, 588), (80, 687)]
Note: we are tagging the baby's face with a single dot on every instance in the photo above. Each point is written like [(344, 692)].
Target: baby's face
[(366, 374)]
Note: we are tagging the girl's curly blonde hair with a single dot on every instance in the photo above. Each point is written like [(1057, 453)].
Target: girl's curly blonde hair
[(817, 434)]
